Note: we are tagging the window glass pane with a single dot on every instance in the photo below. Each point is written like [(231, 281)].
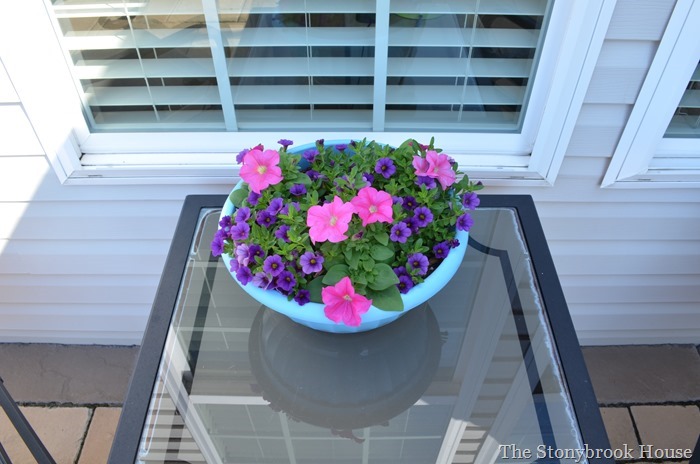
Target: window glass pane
[(462, 65), (141, 66), (298, 65), (230, 65), (686, 120)]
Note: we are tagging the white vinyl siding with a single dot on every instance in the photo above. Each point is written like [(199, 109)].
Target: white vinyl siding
[(660, 146)]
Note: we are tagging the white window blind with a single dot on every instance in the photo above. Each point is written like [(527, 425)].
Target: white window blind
[(686, 119), (263, 65)]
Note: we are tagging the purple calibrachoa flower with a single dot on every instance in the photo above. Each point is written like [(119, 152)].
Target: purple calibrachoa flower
[(243, 254), (240, 231), (243, 214), (441, 250), (286, 281), (423, 216), (470, 200), (385, 167), (225, 222), (310, 155), (235, 265), (241, 154), (465, 222), (265, 218), (244, 275), (275, 206), (405, 283), (261, 280), (368, 178), (302, 297), (298, 190), (253, 198), (255, 251), (281, 233), (401, 270), (429, 182), (217, 245), (400, 232), (311, 262), (341, 147), (454, 243), (285, 143), (314, 175), (417, 262), (409, 203), (273, 265), (412, 224)]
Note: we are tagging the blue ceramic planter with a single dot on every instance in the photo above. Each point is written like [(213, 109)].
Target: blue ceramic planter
[(312, 315)]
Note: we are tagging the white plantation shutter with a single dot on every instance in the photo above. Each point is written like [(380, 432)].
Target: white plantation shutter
[(686, 119), (285, 65)]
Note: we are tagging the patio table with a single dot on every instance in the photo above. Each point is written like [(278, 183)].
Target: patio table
[(488, 370)]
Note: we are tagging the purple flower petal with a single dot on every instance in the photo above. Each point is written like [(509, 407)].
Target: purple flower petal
[(311, 262), (417, 262), (302, 297), (423, 216), (385, 167), (465, 222), (240, 231), (273, 265)]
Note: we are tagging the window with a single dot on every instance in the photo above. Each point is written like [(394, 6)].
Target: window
[(660, 146), (156, 88)]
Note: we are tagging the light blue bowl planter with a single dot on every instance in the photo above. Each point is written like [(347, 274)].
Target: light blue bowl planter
[(312, 314)]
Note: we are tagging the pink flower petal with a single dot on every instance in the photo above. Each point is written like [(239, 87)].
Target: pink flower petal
[(343, 304), (330, 221), (373, 205), (421, 165), (260, 169)]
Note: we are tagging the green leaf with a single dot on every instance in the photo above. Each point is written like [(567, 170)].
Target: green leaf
[(385, 277), (335, 273), (238, 195), (381, 253), (388, 299), (382, 237), (314, 287), (351, 258), (368, 264)]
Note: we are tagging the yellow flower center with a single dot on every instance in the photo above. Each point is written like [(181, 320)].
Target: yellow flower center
[(373, 209), (347, 297), (262, 169), (334, 219)]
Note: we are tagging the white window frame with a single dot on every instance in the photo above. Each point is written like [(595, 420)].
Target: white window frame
[(51, 101), (635, 163)]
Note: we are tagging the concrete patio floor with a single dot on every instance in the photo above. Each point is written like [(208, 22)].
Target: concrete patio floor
[(72, 396)]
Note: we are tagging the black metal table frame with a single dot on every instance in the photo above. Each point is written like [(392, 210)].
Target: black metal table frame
[(135, 408)]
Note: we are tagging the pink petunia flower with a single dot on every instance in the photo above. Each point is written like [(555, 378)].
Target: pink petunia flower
[(330, 221), (421, 165), (435, 165), (260, 169), (343, 304), (373, 205), (440, 168)]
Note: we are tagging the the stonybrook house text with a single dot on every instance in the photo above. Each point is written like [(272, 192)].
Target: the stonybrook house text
[(578, 454)]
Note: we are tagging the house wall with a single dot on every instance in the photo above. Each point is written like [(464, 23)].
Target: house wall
[(80, 264)]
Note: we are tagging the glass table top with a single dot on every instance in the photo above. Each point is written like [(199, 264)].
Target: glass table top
[(471, 376)]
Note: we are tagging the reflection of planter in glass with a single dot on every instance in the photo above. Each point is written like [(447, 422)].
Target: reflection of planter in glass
[(344, 383)]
